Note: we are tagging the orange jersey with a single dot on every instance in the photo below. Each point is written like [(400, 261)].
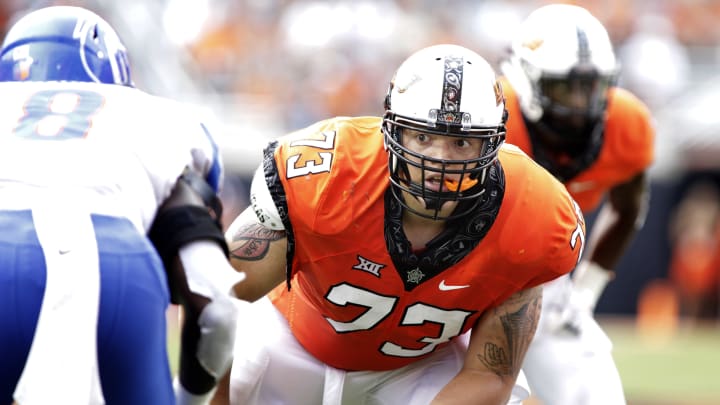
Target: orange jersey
[(626, 151), (348, 304)]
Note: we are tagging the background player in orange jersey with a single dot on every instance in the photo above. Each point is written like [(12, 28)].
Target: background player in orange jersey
[(382, 241), (566, 112)]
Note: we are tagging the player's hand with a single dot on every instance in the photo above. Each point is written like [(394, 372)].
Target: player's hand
[(588, 283), (217, 336), (580, 306)]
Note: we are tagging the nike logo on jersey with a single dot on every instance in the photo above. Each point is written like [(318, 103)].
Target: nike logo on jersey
[(446, 287)]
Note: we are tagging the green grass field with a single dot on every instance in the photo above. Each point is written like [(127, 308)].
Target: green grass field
[(682, 368), (678, 368)]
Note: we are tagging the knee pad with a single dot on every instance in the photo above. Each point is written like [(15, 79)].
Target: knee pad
[(217, 322)]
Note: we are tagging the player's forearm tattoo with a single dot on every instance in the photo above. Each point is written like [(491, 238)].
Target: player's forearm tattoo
[(519, 329), (252, 241)]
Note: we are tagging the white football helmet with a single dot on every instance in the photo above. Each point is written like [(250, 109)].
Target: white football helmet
[(561, 67), (444, 90), (555, 44)]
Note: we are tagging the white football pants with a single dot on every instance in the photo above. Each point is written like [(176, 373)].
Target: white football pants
[(566, 369), (271, 368)]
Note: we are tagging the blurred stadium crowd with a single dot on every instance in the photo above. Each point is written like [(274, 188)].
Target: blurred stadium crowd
[(265, 67)]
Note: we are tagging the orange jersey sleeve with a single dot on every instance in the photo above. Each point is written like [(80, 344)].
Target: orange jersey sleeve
[(544, 228), (348, 305), (628, 145)]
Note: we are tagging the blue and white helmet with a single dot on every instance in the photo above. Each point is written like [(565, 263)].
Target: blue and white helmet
[(64, 43)]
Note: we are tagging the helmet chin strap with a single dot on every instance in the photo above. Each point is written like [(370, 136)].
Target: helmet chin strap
[(432, 203)]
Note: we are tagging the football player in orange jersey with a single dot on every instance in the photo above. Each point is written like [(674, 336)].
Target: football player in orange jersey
[(378, 243), (566, 112)]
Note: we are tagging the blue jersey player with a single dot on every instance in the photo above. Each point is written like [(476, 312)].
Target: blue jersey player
[(108, 208)]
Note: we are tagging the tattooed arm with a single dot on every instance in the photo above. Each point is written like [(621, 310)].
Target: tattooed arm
[(257, 251), (495, 353)]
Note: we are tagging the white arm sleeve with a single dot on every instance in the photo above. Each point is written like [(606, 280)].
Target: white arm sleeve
[(207, 270)]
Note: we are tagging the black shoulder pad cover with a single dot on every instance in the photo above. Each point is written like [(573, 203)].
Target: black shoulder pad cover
[(178, 226)]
